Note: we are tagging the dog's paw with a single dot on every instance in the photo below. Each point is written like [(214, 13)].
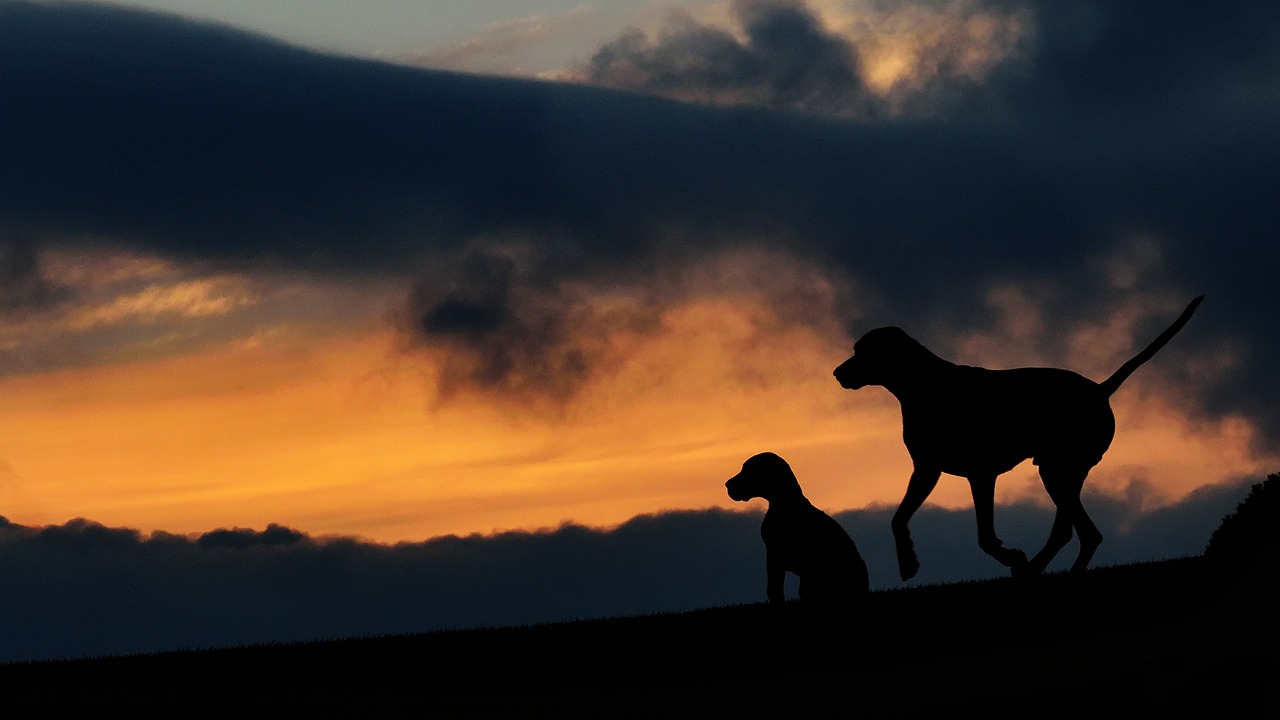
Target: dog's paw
[(1022, 568), (908, 567)]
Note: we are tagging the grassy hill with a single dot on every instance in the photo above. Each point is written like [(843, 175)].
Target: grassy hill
[(1180, 634)]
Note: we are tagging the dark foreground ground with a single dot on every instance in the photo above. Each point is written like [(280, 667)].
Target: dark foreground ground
[(1175, 635)]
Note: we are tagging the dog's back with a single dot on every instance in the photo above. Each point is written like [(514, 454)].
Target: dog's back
[(976, 421)]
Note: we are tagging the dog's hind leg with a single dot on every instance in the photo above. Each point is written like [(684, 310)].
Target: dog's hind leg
[(1064, 485), (984, 495), (1059, 536), (918, 488), (1090, 538)]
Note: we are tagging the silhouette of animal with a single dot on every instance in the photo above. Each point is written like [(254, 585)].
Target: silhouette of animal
[(801, 539), (978, 423)]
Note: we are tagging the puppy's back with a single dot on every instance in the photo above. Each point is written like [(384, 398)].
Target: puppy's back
[(817, 549)]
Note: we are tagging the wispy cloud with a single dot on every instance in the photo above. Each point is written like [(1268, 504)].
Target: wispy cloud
[(191, 299), (511, 47)]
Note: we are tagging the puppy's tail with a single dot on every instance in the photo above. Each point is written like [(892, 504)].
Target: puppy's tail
[(1110, 385)]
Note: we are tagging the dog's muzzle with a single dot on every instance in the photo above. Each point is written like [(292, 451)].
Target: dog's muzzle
[(735, 490)]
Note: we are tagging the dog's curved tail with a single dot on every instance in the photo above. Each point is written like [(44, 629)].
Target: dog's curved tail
[(1110, 385)]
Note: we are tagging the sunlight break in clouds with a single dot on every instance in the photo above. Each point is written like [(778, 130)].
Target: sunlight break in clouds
[(906, 46)]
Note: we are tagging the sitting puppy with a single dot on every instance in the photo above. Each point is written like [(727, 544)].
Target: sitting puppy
[(801, 539)]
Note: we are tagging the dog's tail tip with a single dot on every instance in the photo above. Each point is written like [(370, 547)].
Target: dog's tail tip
[(1111, 384), (1191, 308)]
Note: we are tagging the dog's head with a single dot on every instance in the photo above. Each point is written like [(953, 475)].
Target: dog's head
[(763, 476), (878, 357)]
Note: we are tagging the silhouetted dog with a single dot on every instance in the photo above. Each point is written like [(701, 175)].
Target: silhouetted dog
[(978, 423), (801, 539)]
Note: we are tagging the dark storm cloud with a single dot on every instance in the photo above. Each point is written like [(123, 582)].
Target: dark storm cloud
[(786, 60), (196, 142), (85, 589), (206, 142), (81, 588), (503, 323)]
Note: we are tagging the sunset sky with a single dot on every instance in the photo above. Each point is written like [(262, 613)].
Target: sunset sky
[(397, 270)]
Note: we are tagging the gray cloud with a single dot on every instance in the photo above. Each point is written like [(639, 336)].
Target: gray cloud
[(84, 589), (23, 286), (895, 59), (200, 143), (786, 60)]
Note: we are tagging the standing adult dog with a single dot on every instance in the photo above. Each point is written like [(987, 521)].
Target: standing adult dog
[(978, 423)]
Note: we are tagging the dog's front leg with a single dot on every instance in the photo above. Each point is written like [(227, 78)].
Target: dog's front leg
[(776, 568), (922, 482)]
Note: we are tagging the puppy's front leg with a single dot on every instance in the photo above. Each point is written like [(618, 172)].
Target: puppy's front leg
[(776, 569), (918, 488)]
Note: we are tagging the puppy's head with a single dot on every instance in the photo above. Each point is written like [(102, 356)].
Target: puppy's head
[(878, 357), (763, 476)]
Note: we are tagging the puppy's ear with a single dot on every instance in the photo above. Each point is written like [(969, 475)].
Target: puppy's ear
[(766, 459)]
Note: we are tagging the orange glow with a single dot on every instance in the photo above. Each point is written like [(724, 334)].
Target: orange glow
[(341, 435), (903, 46)]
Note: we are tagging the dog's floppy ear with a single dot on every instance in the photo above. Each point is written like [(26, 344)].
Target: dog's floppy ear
[(888, 341), (866, 365)]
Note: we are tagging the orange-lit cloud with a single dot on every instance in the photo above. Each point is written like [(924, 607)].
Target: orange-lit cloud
[(194, 298), (904, 46)]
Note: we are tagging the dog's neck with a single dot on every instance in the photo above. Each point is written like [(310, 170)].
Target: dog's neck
[(918, 379), (788, 500)]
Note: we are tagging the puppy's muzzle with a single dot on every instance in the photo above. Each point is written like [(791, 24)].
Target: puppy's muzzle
[(848, 376), (736, 491)]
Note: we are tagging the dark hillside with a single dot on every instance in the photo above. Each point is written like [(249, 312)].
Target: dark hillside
[(1182, 634)]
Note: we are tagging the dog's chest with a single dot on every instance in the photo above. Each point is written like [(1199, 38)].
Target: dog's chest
[(803, 538)]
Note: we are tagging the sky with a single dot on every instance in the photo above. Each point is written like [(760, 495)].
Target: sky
[(375, 293)]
